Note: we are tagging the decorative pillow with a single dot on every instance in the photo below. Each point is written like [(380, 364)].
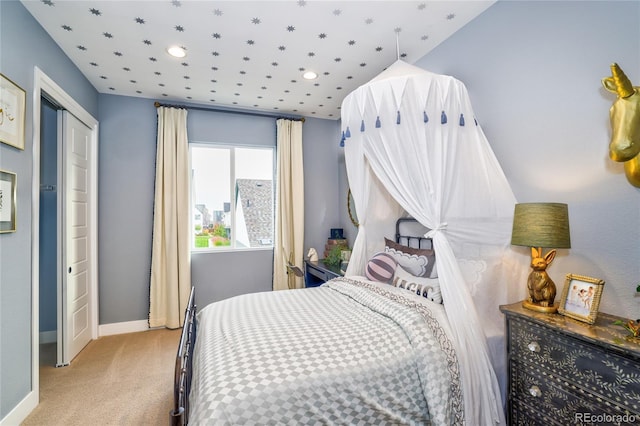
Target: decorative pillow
[(425, 287), (418, 262), (381, 267)]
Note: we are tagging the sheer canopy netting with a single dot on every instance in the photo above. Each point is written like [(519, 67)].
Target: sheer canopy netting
[(413, 147)]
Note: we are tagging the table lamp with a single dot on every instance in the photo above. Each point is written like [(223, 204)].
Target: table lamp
[(541, 225)]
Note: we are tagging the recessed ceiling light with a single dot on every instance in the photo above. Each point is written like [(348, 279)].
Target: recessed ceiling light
[(176, 51), (310, 75)]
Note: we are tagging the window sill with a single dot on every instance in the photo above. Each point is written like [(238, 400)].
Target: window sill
[(230, 250)]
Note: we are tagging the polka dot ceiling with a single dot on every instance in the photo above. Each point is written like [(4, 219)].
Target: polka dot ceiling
[(246, 54)]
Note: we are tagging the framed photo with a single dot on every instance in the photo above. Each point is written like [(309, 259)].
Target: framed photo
[(581, 298), (12, 113), (8, 182)]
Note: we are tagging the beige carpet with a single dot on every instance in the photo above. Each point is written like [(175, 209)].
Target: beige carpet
[(125, 379)]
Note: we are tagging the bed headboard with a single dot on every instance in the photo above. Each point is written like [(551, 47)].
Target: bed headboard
[(410, 233)]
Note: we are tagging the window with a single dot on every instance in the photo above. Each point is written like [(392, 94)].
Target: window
[(231, 197)]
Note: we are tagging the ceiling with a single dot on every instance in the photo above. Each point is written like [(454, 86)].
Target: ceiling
[(246, 54)]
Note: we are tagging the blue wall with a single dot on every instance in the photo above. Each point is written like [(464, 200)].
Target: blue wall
[(126, 189), (126, 173), (321, 181), (533, 72), (24, 45)]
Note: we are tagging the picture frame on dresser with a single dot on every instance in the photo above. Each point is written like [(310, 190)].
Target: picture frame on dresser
[(580, 298)]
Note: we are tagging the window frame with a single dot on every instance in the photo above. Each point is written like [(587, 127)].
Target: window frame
[(232, 151)]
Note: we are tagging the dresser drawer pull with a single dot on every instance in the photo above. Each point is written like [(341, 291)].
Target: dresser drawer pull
[(535, 391), (534, 347)]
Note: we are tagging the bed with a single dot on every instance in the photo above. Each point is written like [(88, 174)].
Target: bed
[(412, 146), (352, 351)]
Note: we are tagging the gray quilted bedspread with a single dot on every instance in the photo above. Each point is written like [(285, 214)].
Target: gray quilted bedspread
[(349, 353)]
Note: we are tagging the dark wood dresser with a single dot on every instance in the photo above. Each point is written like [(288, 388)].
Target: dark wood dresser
[(566, 372)]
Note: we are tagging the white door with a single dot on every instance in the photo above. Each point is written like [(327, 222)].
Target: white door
[(75, 311)]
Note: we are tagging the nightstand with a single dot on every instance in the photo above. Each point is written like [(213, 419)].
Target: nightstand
[(562, 371), (317, 273)]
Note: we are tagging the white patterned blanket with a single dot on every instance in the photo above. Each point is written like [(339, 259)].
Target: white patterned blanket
[(348, 352)]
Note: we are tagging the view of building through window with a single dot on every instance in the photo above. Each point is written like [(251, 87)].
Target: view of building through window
[(232, 196)]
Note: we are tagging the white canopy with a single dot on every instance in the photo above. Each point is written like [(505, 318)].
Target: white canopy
[(412, 146)]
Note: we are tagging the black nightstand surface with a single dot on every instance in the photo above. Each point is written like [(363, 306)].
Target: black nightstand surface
[(317, 273), (563, 371)]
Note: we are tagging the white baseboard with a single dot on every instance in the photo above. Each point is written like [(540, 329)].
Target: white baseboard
[(103, 330), (123, 327), (48, 336), (21, 411)]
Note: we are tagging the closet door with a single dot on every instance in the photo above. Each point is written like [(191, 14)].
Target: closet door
[(76, 297)]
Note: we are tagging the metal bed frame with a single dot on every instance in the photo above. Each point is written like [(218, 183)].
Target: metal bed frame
[(179, 415), (407, 239)]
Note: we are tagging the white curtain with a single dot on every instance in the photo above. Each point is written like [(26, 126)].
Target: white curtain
[(367, 191), (417, 132), (170, 257), (289, 227)]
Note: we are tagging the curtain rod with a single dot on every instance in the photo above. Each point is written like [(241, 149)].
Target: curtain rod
[(203, 108)]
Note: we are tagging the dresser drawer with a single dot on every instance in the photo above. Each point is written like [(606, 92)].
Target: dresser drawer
[(578, 364), (521, 414), (537, 393), (317, 273)]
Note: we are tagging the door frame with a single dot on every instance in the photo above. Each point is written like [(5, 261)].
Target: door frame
[(45, 86)]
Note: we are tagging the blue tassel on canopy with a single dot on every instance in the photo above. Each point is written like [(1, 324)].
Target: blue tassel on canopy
[(342, 140), (348, 134), (462, 119), (443, 118), (362, 126), (378, 122), (398, 118), (425, 117), (476, 121)]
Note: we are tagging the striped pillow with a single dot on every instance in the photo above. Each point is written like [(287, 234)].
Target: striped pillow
[(381, 267)]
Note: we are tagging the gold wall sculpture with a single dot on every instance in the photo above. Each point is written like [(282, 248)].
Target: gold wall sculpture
[(625, 123)]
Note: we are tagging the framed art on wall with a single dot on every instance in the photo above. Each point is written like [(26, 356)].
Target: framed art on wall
[(12, 113), (8, 183), (581, 298)]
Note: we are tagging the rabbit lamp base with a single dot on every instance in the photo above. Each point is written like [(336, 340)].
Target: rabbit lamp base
[(542, 289), (544, 309)]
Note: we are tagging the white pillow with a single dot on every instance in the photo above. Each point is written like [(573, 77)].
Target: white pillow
[(422, 286)]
